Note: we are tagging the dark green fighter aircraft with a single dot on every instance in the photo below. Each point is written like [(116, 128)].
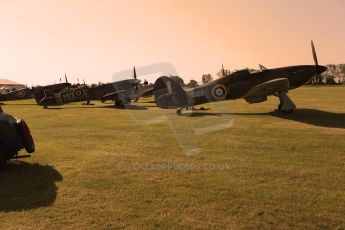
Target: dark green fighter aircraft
[(253, 87), (36, 92), (121, 92), (20, 94), (14, 136), (40, 92)]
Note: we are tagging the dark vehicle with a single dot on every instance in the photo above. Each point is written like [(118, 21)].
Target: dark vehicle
[(14, 136)]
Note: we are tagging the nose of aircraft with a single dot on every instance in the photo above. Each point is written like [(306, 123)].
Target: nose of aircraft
[(320, 69)]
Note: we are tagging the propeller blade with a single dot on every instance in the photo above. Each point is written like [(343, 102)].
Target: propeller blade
[(135, 78), (314, 53), (134, 73)]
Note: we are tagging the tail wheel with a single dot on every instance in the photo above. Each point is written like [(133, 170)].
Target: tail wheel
[(25, 134)]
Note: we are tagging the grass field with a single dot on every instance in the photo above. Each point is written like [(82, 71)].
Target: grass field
[(104, 168)]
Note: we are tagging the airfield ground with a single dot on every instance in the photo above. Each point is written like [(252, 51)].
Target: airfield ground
[(99, 167)]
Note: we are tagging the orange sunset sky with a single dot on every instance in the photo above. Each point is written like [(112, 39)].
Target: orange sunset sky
[(41, 40)]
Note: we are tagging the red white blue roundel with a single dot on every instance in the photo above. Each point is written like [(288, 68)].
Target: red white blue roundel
[(21, 93), (219, 92), (78, 93)]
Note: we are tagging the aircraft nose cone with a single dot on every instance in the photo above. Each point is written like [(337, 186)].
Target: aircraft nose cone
[(320, 69)]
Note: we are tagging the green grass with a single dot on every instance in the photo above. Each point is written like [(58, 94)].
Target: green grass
[(282, 171)]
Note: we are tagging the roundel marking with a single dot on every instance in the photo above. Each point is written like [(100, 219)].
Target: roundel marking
[(219, 92), (78, 93), (21, 93)]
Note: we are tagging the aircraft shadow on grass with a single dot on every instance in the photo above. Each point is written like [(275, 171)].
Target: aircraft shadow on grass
[(308, 116), (127, 107), (26, 186), (315, 117), (3, 104)]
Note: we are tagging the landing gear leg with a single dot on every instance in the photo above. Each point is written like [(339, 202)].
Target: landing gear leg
[(88, 102), (119, 104), (286, 105)]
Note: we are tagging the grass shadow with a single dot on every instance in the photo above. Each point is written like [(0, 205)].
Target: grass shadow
[(128, 107), (308, 116), (315, 117), (202, 114), (18, 104), (27, 186)]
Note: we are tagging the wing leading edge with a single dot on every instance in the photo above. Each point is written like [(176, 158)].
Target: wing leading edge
[(260, 92)]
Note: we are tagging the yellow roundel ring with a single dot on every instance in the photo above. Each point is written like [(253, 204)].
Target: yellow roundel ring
[(219, 92)]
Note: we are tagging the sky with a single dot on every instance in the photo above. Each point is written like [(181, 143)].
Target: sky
[(41, 40)]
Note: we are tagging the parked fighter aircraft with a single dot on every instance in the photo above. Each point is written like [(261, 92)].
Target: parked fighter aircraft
[(121, 92), (39, 92), (253, 87), (14, 136), (36, 92), (20, 94)]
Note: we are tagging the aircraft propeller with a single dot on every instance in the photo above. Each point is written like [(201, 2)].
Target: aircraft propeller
[(318, 75), (66, 80), (135, 78)]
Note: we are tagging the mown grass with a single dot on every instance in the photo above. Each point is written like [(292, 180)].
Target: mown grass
[(99, 167)]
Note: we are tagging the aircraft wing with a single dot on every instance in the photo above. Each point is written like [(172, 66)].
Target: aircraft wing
[(114, 95), (260, 92)]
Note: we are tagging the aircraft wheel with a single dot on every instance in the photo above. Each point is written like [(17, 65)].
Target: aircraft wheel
[(120, 104), (179, 112), (27, 139), (289, 111)]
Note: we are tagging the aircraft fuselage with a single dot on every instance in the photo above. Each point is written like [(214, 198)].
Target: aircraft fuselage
[(239, 83)]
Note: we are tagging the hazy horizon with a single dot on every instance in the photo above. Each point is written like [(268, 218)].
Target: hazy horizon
[(42, 40)]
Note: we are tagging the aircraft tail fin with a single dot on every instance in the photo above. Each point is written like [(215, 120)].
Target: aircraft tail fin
[(169, 94)]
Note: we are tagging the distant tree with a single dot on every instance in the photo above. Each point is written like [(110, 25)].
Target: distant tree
[(330, 80), (206, 78), (192, 84), (222, 73), (251, 70), (178, 80)]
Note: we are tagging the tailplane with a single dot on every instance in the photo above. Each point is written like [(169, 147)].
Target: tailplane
[(169, 94)]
